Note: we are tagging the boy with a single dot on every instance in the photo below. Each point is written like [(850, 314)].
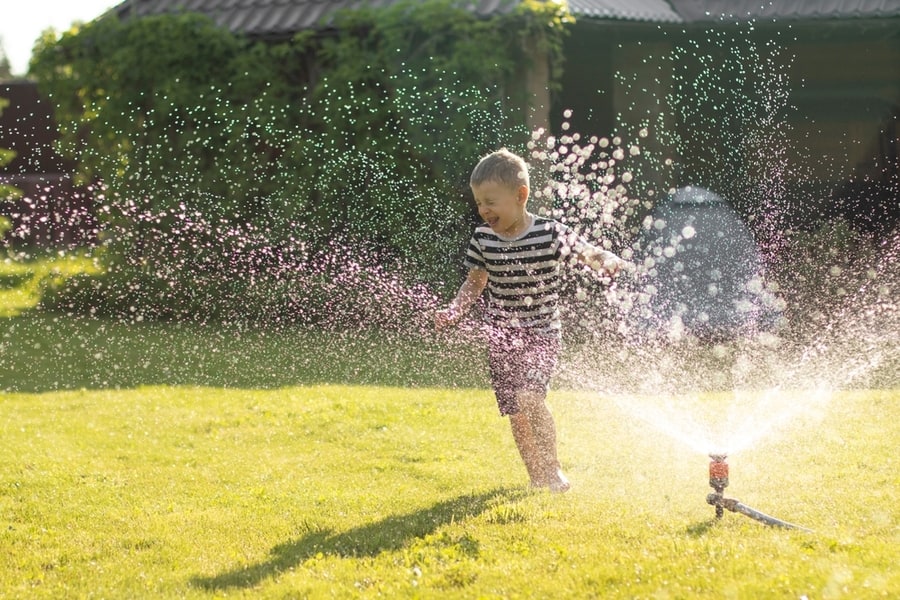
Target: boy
[(517, 256)]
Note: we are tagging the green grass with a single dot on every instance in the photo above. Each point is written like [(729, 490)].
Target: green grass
[(22, 283), (162, 461), (47, 352), (155, 460)]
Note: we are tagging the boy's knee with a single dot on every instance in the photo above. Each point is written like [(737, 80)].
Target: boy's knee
[(538, 377), (530, 401)]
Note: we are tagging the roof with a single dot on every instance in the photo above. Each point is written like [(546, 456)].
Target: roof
[(274, 17), (713, 10), (629, 10)]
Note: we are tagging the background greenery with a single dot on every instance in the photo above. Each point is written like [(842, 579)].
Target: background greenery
[(6, 156), (224, 163)]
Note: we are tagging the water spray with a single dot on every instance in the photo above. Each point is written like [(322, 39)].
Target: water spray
[(718, 481)]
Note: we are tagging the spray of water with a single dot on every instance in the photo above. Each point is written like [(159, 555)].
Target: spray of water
[(792, 331), (628, 345)]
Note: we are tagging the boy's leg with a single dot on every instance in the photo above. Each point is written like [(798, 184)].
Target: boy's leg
[(543, 429), (520, 370), (526, 442)]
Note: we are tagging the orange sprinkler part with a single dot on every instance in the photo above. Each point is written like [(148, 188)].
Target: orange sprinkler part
[(718, 471), (718, 480)]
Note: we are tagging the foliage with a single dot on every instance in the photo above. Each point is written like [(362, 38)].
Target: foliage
[(6, 157), (831, 265), (5, 66), (23, 283), (6, 191), (365, 135)]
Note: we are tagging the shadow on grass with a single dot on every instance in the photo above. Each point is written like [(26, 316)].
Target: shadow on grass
[(700, 529), (389, 534), (43, 352)]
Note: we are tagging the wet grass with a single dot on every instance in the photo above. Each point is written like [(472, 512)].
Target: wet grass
[(162, 461), (46, 352)]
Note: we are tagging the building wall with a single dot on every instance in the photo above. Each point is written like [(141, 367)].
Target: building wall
[(839, 126), (51, 210), (849, 95)]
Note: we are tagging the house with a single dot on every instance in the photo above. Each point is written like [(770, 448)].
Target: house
[(836, 135), (51, 210), (839, 66)]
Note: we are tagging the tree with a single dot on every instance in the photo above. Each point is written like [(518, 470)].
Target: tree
[(6, 191), (218, 155), (5, 66)]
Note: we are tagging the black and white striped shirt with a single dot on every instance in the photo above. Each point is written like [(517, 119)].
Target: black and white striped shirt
[(524, 273)]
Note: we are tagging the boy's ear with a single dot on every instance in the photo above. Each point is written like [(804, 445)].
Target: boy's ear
[(522, 194)]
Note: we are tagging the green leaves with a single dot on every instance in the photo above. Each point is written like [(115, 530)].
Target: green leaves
[(368, 132), (6, 157)]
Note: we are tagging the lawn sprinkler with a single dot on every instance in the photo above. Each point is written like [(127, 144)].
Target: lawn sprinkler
[(718, 481)]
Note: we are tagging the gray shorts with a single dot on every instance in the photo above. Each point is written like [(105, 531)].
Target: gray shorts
[(520, 361)]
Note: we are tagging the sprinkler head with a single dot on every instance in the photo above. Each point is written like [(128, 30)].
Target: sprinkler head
[(718, 481), (718, 472)]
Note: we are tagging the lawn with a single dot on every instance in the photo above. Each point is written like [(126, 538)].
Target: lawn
[(175, 461)]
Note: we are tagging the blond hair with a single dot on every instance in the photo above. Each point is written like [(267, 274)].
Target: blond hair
[(501, 166)]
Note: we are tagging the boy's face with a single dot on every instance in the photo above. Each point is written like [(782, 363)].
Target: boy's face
[(501, 205)]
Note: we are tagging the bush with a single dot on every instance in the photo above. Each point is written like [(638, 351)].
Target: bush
[(212, 148)]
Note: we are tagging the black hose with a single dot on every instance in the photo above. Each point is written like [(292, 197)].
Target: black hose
[(736, 506)]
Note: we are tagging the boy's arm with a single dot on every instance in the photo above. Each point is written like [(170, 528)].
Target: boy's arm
[(468, 292), (602, 261)]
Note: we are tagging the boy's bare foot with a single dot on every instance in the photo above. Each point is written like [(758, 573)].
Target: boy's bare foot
[(559, 483), (538, 483)]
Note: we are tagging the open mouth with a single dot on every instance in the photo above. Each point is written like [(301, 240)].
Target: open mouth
[(492, 221)]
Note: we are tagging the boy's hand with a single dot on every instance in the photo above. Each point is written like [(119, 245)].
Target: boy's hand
[(612, 266), (608, 265), (445, 318), (623, 266)]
